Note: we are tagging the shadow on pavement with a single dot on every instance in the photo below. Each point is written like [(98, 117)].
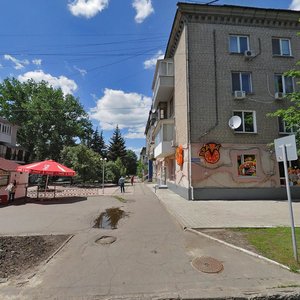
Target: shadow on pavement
[(45, 201)]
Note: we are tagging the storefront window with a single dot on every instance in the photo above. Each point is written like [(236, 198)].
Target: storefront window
[(4, 180), (246, 165)]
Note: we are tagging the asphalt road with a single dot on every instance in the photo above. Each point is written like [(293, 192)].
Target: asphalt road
[(150, 259)]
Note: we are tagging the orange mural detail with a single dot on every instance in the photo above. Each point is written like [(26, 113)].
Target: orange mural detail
[(210, 152), (179, 155)]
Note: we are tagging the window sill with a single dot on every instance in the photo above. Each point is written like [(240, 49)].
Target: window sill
[(237, 53), (244, 132), (283, 56)]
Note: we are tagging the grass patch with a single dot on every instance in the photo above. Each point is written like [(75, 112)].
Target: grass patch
[(120, 199), (274, 243)]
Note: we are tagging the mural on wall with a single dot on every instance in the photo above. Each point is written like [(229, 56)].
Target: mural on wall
[(210, 152), (179, 155), (246, 165)]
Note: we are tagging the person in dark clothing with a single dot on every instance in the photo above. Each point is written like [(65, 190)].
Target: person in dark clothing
[(122, 184), (132, 180)]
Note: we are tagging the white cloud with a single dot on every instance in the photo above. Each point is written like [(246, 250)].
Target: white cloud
[(136, 150), (37, 61), (81, 71), (67, 85), (87, 8), (19, 64), (143, 9), (127, 110), (150, 63), (295, 5)]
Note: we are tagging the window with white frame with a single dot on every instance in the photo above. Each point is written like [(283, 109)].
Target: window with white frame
[(281, 47), (284, 128), (248, 123), (238, 43), (241, 81), (283, 84)]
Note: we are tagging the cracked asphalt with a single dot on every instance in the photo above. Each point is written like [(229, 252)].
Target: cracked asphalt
[(150, 259)]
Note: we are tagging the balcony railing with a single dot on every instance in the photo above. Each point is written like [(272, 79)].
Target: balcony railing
[(163, 84)]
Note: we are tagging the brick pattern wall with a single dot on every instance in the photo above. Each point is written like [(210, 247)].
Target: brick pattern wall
[(202, 80)]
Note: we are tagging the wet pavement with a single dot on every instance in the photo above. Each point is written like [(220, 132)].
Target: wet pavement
[(148, 255)]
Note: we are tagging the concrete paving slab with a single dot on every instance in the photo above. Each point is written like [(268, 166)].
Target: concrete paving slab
[(150, 259), (227, 214)]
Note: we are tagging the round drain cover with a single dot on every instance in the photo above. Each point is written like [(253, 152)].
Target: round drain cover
[(105, 240), (207, 264)]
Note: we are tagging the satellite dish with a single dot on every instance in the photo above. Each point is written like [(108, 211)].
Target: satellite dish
[(235, 122)]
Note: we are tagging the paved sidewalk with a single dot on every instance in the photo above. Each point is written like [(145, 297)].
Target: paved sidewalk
[(226, 214)]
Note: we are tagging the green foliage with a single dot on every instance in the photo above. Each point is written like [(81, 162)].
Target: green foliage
[(54, 120), (98, 144), (114, 170), (291, 115), (130, 162), (117, 148), (141, 169), (84, 161)]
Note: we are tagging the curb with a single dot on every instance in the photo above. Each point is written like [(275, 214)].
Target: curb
[(239, 249), (60, 248)]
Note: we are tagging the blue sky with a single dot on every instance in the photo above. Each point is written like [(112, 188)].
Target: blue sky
[(101, 51)]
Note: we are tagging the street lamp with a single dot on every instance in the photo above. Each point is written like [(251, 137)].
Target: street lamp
[(103, 162)]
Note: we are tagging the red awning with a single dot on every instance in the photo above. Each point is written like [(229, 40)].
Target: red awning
[(47, 167), (8, 165)]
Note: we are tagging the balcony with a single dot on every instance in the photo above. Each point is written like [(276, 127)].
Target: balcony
[(163, 83), (164, 139)]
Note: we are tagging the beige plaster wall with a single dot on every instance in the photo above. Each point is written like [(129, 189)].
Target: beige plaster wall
[(181, 107), (224, 173)]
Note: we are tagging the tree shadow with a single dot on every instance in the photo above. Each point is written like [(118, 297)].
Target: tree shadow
[(45, 201)]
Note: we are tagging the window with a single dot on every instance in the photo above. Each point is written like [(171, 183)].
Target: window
[(248, 121), (281, 47), (246, 165), (238, 44), (171, 108), (284, 128), (283, 84), (241, 81)]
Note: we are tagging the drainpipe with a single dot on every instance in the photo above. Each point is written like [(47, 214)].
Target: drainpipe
[(191, 189), (216, 88)]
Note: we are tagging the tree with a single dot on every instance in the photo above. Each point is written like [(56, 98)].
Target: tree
[(98, 144), (130, 162), (291, 115), (114, 170), (86, 162), (117, 148), (48, 119)]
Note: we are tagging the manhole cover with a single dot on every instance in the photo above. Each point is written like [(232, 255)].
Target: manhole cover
[(207, 264), (106, 240)]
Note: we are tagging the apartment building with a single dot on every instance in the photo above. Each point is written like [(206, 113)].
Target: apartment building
[(8, 143), (208, 134)]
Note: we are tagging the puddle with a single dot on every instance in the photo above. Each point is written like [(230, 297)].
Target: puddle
[(110, 218)]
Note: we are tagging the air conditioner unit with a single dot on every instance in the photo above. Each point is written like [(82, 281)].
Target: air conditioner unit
[(279, 95), (249, 54), (239, 95)]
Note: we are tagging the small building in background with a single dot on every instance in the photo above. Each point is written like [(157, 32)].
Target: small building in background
[(8, 174), (9, 148)]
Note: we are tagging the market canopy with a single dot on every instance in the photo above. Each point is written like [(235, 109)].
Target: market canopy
[(47, 167)]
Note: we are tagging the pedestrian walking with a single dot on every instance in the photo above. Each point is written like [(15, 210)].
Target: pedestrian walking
[(132, 180), (122, 184), (11, 188)]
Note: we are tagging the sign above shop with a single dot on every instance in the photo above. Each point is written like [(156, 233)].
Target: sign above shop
[(210, 152)]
